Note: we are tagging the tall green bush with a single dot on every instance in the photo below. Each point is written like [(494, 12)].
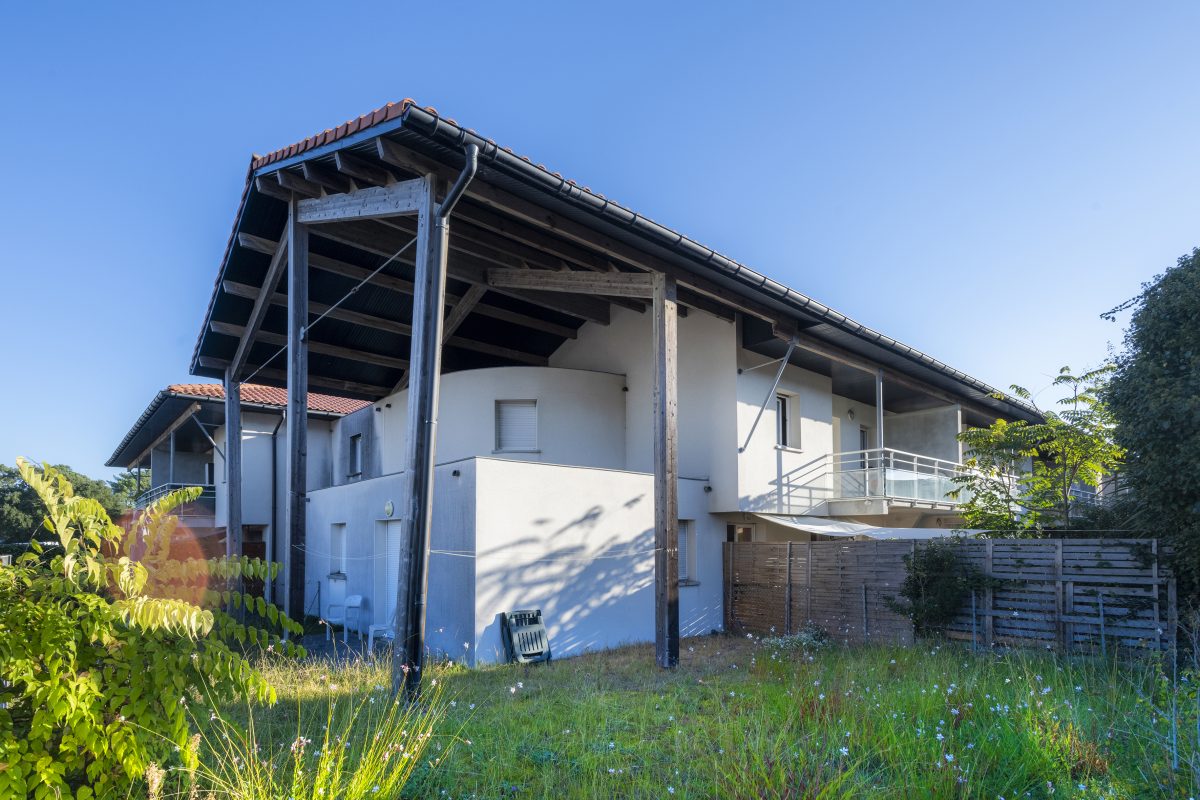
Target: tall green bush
[(936, 586), (101, 651), (1155, 397)]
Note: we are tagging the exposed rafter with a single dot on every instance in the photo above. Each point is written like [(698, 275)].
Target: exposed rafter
[(279, 376), (361, 170), (254, 322), (389, 325), (460, 310), (297, 185), (335, 266), (337, 351), (547, 221), (329, 180), (381, 241)]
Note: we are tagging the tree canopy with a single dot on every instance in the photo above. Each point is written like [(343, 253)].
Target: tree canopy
[(1155, 396), (1026, 476), (21, 510)]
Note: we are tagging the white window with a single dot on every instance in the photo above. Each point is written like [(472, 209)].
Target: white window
[(355, 455), (687, 551), (783, 422), (516, 426), (337, 547)]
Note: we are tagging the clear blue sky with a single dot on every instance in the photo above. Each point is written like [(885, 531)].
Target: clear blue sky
[(979, 180)]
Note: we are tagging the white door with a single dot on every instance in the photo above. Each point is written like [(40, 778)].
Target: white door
[(389, 536)]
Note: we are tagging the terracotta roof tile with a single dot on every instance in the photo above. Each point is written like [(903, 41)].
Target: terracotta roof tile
[(382, 114), (269, 396)]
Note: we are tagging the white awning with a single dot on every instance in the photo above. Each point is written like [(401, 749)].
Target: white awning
[(835, 527)]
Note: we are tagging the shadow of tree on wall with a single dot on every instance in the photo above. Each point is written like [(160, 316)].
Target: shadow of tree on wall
[(593, 594)]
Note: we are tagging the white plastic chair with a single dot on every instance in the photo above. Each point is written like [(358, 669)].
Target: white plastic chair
[(382, 630), (341, 614)]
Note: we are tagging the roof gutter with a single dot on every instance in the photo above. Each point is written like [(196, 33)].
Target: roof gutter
[(449, 134)]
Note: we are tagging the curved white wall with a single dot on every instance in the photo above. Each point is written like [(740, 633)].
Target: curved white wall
[(581, 417)]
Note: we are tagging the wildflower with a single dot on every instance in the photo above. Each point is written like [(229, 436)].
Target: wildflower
[(844, 751), (949, 758), (670, 790)]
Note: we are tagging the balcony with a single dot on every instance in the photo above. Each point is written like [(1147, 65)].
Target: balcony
[(872, 482), (202, 506), (882, 473)]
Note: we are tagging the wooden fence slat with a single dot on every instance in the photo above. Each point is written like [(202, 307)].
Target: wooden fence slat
[(1068, 593)]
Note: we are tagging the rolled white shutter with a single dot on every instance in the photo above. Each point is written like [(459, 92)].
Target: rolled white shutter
[(684, 545), (516, 425), (391, 571)]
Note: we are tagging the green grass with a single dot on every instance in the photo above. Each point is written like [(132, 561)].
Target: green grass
[(743, 719)]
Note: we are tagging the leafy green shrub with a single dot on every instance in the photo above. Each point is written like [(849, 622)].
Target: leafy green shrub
[(936, 587), (100, 653), (809, 639)]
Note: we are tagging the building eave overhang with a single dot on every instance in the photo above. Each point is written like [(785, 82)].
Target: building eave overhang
[(440, 139)]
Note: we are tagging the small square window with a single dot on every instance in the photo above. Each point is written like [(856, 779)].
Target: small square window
[(354, 457), (516, 426)]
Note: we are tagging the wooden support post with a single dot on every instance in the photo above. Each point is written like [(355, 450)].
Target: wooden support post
[(1060, 628), (296, 510), (666, 473), (787, 593), (233, 465), (425, 358), (233, 479), (1069, 609), (808, 585), (989, 599)]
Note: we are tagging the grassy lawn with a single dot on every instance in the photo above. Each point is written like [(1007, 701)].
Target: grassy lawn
[(743, 719)]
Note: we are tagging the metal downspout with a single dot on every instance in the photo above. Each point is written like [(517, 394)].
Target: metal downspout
[(269, 584)]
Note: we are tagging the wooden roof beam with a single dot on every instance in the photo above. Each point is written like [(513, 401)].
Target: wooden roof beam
[(362, 170), (335, 266), (547, 221), (297, 185), (329, 180), (395, 199), (258, 313), (381, 241), (321, 382), (337, 351), (391, 326), (618, 284)]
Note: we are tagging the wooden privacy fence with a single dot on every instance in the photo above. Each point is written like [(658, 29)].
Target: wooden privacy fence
[(1072, 594)]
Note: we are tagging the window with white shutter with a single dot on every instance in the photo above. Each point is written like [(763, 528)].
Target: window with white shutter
[(516, 426), (686, 550)]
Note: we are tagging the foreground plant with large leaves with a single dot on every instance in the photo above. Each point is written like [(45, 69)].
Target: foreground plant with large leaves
[(100, 652)]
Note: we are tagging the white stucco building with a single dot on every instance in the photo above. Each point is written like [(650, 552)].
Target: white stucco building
[(561, 372)]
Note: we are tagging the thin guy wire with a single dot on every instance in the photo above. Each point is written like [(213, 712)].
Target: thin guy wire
[(304, 331)]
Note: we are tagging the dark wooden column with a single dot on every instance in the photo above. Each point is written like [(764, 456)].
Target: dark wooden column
[(233, 465), (666, 473), (425, 361), (295, 509)]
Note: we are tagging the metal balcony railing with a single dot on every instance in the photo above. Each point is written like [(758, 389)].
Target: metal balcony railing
[(204, 505), (885, 473)]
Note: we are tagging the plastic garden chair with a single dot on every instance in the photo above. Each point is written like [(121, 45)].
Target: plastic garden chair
[(525, 638), (342, 614), (384, 630)]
